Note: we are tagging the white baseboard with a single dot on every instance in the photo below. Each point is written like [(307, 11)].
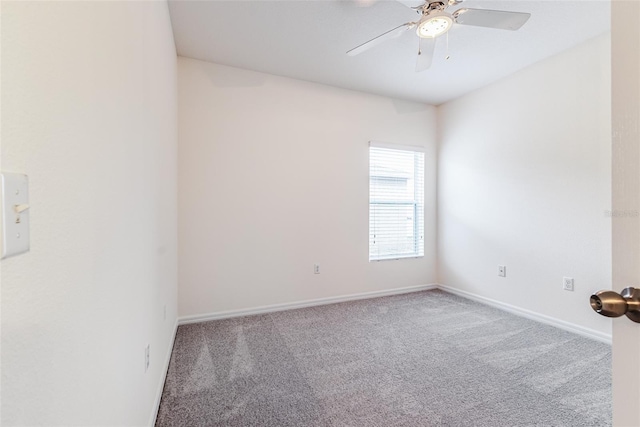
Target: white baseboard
[(567, 326), (299, 304), (163, 377)]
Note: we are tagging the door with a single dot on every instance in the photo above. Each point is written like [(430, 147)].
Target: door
[(625, 54)]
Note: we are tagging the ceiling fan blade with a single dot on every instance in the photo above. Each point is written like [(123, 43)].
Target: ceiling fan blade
[(391, 34), (499, 19), (425, 53)]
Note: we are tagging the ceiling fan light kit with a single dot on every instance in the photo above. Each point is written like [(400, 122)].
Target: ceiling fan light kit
[(436, 21), (434, 25)]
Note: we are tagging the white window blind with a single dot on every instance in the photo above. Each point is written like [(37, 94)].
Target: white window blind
[(396, 202)]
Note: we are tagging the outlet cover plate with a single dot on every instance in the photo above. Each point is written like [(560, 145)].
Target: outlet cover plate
[(502, 271), (567, 283)]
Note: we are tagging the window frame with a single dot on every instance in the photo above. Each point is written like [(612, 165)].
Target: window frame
[(417, 202)]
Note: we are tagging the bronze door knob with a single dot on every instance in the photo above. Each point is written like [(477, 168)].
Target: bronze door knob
[(612, 304)]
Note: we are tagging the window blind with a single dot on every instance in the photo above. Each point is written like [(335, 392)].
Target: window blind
[(396, 201)]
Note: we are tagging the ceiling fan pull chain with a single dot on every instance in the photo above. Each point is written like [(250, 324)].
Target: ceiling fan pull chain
[(447, 57)]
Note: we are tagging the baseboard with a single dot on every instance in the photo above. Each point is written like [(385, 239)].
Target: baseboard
[(299, 304), (567, 326), (163, 377)]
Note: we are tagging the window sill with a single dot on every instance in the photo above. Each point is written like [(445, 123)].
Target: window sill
[(396, 258)]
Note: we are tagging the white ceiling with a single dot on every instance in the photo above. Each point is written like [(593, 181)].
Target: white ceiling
[(307, 40)]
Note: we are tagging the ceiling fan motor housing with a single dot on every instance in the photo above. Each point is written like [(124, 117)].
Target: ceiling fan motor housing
[(429, 7)]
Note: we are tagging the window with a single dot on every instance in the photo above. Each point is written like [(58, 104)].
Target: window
[(396, 201)]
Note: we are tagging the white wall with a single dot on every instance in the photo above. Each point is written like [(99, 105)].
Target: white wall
[(89, 98), (524, 180), (273, 177)]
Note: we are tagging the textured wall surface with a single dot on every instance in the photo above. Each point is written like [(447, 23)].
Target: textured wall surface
[(274, 177), (524, 180), (89, 101)]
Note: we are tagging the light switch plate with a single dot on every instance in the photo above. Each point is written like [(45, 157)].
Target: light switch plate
[(14, 214)]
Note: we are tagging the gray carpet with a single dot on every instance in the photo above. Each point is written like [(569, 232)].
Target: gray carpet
[(421, 359)]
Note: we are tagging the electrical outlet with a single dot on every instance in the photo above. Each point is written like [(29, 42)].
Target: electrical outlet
[(567, 283), (146, 357), (502, 270), (316, 268)]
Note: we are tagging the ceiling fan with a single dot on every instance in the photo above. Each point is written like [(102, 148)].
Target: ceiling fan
[(436, 21)]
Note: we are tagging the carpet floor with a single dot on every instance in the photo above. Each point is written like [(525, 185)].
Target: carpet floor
[(421, 359)]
